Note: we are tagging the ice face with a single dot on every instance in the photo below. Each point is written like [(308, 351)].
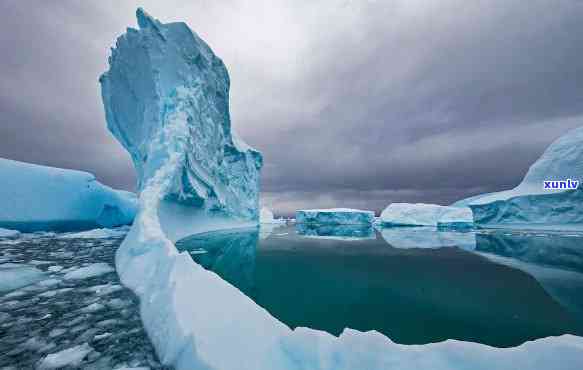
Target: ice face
[(166, 98), (419, 214), (529, 202), (335, 216), (34, 198), (162, 99)]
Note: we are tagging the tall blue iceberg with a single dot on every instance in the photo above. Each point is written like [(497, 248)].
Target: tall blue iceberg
[(166, 100), (530, 203)]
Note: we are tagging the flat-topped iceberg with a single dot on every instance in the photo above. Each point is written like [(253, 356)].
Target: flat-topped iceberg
[(40, 198), (166, 97), (530, 202), (335, 216), (420, 214)]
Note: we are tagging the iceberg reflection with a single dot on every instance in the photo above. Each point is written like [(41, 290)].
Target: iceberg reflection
[(336, 232), (428, 237)]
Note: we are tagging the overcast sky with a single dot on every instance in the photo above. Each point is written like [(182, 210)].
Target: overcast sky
[(353, 103)]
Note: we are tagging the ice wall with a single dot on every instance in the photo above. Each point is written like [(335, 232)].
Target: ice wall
[(421, 214), (37, 198), (195, 319), (335, 216), (529, 202)]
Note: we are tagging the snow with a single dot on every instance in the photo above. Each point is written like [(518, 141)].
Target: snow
[(428, 237), (420, 214), (90, 271), (15, 275), (335, 216), (97, 234), (529, 202), (72, 356), (6, 233), (193, 317), (34, 198)]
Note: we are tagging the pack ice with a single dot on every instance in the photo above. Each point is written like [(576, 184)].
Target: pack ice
[(335, 216), (36, 198), (420, 214), (529, 203), (166, 98)]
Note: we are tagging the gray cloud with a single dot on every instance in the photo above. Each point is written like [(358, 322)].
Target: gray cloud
[(353, 103)]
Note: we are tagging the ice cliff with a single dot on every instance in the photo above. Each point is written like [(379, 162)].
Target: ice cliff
[(36, 198), (166, 100), (529, 203)]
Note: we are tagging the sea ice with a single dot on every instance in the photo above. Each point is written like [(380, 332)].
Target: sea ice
[(14, 276), (530, 203), (165, 85), (6, 233), (86, 272), (97, 234), (72, 356), (335, 216), (420, 214), (36, 198)]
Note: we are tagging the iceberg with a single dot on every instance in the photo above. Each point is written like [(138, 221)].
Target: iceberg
[(40, 198), (166, 100), (335, 216), (420, 214), (530, 203)]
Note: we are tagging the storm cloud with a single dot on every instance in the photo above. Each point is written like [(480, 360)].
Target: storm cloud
[(353, 103)]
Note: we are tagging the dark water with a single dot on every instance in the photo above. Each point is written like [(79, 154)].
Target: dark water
[(414, 285), (55, 313)]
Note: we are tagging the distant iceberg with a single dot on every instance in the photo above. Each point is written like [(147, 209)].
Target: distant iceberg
[(420, 214), (335, 216), (530, 203), (6, 233), (166, 98), (40, 198)]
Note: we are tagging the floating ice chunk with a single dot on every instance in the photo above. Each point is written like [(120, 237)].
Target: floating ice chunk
[(335, 216), (6, 233), (36, 197), (68, 357), (97, 234), (420, 214), (428, 237), (14, 276), (93, 270)]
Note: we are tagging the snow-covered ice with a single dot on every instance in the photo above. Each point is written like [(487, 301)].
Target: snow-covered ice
[(529, 203), (86, 272), (97, 234), (6, 233), (420, 214), (34, 197), (335, 216), (194, 318), (15, 275), (67, 357)]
